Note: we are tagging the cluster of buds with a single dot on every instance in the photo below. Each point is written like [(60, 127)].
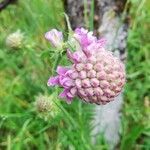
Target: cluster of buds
[(45, 107), (14, 40), (95, 76)]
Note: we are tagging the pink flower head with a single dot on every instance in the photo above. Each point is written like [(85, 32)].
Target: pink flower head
[(55, 37), (95, 76)]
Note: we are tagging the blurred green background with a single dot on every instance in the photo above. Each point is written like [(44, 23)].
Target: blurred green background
[(24, 72)]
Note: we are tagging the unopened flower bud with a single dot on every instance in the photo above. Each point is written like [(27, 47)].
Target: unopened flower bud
[(45, 107), (15, 40), (55, 37)]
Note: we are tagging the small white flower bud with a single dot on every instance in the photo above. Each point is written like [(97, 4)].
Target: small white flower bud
[(15, 40), (45, 107)]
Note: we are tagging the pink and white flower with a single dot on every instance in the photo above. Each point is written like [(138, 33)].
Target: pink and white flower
[(55, 37), (95, 76)]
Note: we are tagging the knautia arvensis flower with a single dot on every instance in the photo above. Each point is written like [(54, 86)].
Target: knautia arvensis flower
[(14, 40), (95, 76)]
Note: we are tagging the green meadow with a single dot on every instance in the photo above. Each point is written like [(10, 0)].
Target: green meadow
[(24, 72)]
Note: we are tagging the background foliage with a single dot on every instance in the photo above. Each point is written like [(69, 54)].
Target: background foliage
[(24, 73)]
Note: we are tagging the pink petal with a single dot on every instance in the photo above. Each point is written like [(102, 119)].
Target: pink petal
[(53, 81), (61, 70), (67, 95), (102, 41), (67, 82), (63, 94)]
